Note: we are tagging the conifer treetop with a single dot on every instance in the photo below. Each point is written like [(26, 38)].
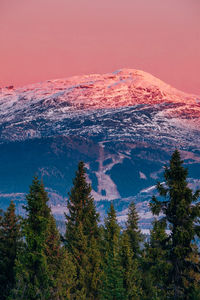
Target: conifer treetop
[(182, 212)]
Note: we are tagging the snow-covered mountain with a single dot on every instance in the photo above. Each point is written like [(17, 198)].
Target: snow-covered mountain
[(47, 108), (124, 125)]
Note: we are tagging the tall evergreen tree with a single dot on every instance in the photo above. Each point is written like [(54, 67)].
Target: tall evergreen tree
[(131, 272), (113, 285), (81, 208), (131, 240), (60, 267), (183, 215), (133, 230), (10, 244), (155, 262), (32, 277), (82, 237)]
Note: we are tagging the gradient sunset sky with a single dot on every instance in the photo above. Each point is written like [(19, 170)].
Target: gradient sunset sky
[(48, 39)]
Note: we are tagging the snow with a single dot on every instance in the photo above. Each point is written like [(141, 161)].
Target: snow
[(132, 86), (149, 106), (125, 106), (105, 183), (150, 189), (142, 175)]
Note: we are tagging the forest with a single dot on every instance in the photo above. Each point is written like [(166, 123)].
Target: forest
[(93, 261)]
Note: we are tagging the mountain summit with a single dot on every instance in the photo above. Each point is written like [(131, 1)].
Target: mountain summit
[(57, 100), (124, 87), (124, 125)]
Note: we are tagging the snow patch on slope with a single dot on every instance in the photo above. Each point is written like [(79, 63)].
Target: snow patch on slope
[(105, 183)]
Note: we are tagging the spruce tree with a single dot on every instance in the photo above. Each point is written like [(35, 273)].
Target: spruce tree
[(113, 285), (60, 267), (155, 262), (133, 230), (81, 208), (10, 244), (132, 238), (131, 271), (32, 276), (182, 213), (82, 237)]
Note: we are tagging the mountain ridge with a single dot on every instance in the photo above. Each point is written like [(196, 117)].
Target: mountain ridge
[(123, 71), (124, 125)]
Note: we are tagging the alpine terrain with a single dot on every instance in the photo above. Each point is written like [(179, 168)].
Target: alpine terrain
[(124, 125)]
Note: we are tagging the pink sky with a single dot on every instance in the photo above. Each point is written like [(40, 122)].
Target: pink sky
[(47, 39)]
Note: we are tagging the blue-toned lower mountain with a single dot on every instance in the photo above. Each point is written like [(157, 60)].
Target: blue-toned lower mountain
[(123, 125)]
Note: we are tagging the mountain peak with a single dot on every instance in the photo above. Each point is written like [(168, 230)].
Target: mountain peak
[(124, 87), (55, 99)]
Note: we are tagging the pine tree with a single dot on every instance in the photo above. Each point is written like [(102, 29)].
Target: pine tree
[(133, 230), (194, 291), (32, 276), (82, 237), (81, 207), (155, 262), (131, 271), (112, 288), (10, 244), (182, 213), (60, 267), (131, 254)]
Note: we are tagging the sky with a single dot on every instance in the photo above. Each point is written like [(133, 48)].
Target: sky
[(48, 39)]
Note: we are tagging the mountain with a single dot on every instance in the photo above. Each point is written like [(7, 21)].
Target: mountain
[(124, 125)]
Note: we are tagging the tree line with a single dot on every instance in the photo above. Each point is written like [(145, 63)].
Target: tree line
[(103, 262)]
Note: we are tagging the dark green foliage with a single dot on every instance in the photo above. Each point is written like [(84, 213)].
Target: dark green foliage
[(32, 276), (60, 267), (103, 262), (113, 285), (82, 237), (133, 230), (81, 208), (44, 269), (130, 254), (155, 263), (10, 243), (131, 271), (182, 213)]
